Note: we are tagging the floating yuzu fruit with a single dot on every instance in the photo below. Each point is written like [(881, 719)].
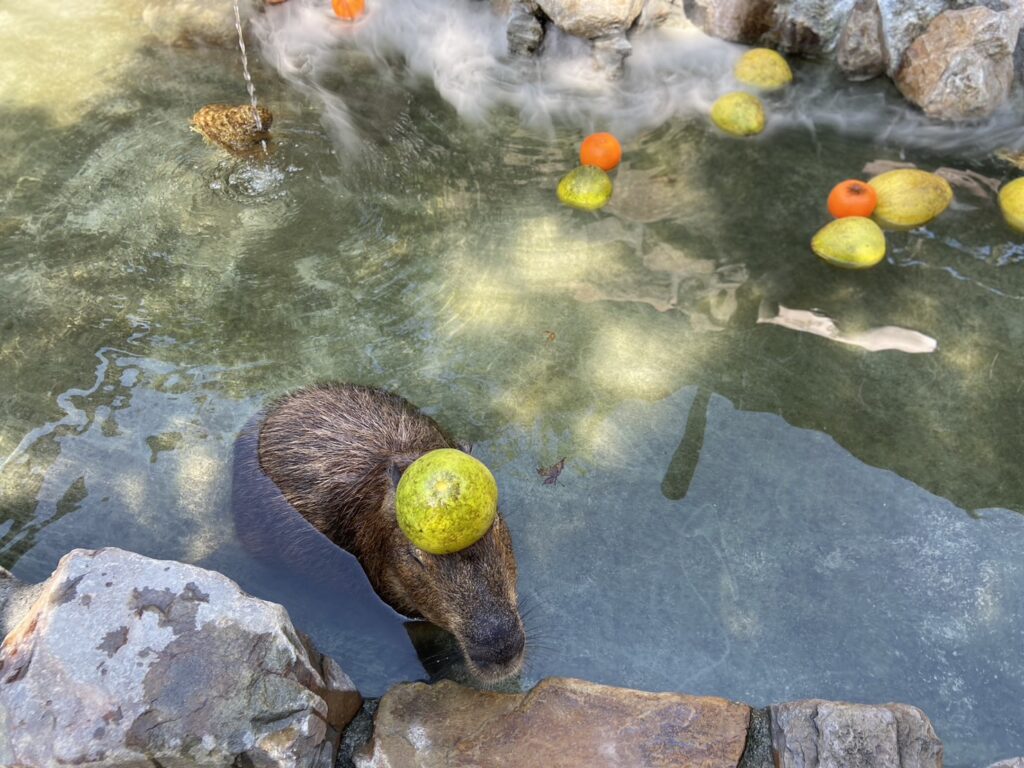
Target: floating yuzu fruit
[(854, 242), (763, 68), (908, 197), (587, 188), (1011, 203), (740, 114), (446, 501)]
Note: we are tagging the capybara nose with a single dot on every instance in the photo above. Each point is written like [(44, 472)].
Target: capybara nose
[(495, 644)]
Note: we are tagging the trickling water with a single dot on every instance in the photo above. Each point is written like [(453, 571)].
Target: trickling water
[(249, 85)]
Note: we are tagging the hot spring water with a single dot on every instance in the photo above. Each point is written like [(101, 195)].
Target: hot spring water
[(745, 510)]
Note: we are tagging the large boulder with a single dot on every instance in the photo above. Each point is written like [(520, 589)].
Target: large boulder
[(807, 27), (592, 18), (560, 723), (812, 733), (961, 68), (815, 28), (126, 661), (903, 21)]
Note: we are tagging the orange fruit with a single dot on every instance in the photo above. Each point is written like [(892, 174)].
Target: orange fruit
[(349, 10), (602, 150), (852, 198)]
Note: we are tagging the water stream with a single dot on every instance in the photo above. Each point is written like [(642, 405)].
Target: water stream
[(745, 510), (249, 85)]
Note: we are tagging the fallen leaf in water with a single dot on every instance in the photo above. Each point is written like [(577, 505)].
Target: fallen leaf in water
[(873, 339), (550, 474)]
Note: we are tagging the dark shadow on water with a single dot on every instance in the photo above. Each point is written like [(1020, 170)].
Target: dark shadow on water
[(684, 461)]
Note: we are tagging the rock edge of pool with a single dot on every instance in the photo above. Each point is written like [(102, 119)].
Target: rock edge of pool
[(118, 658)]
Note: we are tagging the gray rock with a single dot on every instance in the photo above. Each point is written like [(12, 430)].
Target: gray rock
[(592, 18), (1013, 762), (962, 67), (807, 27), (861, 53), (611, 52), (123, 661), (742, 21), (814, 27), (902, 22), (525, 31), (809, 734)]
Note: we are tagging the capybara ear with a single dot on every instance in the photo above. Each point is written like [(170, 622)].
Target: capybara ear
[(397, 467)]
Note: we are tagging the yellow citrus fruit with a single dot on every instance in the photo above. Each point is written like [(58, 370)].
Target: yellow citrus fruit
[(1011, 202), (908, 197), (587, 188), (740, 114), (853, 242), (446, 501), (764, 69)]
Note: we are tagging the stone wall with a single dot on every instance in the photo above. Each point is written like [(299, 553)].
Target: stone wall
[(119, 660), (953, 58)]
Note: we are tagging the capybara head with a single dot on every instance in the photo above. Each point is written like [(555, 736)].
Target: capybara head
[(470, 593)]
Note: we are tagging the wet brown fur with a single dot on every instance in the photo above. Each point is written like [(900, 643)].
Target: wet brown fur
[(336, 452)]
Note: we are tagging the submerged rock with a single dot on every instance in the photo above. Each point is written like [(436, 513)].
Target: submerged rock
[(809, 734), (525, 32), (560, 723), (16, 598), (194, 22), (233, 128), (962, 67), (124, 660)]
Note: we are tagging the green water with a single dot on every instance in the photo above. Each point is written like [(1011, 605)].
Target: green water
[(745, 510)]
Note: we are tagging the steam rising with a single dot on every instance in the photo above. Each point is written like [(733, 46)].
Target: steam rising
[(460, 46)]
